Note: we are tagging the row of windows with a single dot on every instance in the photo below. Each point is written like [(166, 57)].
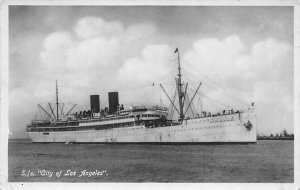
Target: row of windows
[(150, 115), (95, 127), (213, 120), (81, 128), (109, 118), (191, 129)]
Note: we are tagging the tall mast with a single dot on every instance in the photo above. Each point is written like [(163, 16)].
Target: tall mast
[(56, 102), (179, 87)]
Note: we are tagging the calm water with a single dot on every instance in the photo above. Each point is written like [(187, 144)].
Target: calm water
[(267, 161)]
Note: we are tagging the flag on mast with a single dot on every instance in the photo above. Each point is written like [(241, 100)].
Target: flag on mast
[(176, 50)]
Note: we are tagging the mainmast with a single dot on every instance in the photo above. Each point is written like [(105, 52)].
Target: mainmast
[(179, 87), (57, 102)]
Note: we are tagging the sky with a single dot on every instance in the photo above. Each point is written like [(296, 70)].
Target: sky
[(240, 54)]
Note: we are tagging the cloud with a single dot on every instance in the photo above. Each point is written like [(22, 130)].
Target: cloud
[(108, 52), (94, 43), (262, 73), (230, 57), (90, 27), (139, 77), (56, 46), (96, 56), (138, 32), (222, 58), (151, 65), (94, 46)]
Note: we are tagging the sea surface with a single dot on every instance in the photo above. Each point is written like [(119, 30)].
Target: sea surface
[(267, 161)]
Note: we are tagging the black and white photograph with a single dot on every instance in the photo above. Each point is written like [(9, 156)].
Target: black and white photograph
[(149, 93)]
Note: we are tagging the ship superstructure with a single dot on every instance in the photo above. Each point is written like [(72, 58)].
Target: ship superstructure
[(145, 124)]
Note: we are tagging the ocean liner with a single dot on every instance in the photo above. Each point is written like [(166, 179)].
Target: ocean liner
[(145, 124)]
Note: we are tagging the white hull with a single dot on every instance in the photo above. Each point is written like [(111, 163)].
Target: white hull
[(220, 129)]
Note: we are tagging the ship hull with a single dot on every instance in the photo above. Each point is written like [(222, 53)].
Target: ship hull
[(219, 129)]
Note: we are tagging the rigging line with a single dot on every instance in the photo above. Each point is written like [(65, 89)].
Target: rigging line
[(197, 106), (45, 111), (214, 105), (160, 99), (186, 85), (145, 87), (202, 95), (190, 74), (215, 101), (193, 78), (209, 86), (193, 97), (170, 114), (191, 109), (200, 73), (71, 109), (42, 116), (170, 107), (61, 109), (230, 96), (173, 109), (51, 110), (215, 83), (168, 97), (218, 106), (53, 102), (80, 109)]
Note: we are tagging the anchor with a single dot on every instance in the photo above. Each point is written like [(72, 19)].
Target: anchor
[(248, 125)]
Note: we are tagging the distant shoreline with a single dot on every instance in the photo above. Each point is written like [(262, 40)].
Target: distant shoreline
[(275, 138)]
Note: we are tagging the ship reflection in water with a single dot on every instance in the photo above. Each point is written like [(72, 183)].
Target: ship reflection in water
[(267, 161)]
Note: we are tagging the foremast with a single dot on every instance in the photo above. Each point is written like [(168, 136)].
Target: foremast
[(181, 95), (179, 87)]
